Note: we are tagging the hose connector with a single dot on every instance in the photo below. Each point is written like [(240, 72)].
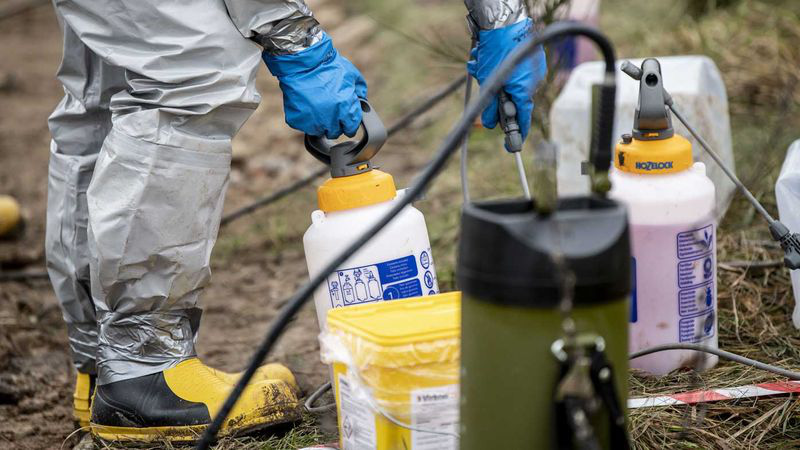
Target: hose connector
[(790, 243)]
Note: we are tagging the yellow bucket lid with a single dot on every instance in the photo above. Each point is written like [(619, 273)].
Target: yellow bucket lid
[(405, 332), (355, 191), (661, 156)]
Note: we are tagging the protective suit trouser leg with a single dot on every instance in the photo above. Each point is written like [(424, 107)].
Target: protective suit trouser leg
[(79, 126), (155, 198)]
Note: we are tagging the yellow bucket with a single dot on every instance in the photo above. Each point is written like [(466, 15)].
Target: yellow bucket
[(395, 370)]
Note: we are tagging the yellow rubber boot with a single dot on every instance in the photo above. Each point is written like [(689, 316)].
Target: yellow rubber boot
[(82, 399), (84, 387), (178, 404), (266, 372)]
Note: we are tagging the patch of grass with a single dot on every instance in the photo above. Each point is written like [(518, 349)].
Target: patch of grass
[(305, 434)]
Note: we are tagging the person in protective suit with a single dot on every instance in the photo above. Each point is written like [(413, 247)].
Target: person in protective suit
[(139, 165)]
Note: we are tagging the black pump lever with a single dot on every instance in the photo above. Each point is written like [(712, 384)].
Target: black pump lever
[(513, 138), (351, 157), (651, 120)]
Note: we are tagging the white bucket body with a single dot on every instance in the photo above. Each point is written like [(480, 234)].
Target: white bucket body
[(674, 267), (396, 263), (787, 193)]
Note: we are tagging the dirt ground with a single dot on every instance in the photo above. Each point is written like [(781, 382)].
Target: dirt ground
[(249, 283)]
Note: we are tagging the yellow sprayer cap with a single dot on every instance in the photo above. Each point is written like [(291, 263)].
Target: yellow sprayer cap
[(661, 156), (355, 191)]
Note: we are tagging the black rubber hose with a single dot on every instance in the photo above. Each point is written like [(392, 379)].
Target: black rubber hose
[(722, 354), (309, 404), (490, 89)]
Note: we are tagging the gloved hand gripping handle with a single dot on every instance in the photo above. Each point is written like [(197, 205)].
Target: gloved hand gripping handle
[(351, 157)]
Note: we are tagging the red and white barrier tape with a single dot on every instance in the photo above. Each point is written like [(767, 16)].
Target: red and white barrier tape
[(713, 395)]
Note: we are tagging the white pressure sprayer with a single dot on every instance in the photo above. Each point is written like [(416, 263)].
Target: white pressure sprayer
[(397, 262), (670, 204)]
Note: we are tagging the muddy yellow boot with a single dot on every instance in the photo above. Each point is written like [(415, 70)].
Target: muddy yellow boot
[(178, 404), (266, 372), (82, 398), (84, 387)]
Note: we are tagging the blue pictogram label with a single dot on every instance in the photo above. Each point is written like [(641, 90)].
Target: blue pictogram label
[(696, 300), (425, 260), (387, 280), (694, 243), (697, 271), (698, 328), (696, 283)]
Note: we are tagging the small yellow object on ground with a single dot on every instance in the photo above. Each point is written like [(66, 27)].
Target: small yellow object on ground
[(10, 215)]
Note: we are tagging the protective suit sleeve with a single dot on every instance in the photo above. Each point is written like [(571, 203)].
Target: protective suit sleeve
[(280, 26), (491, 14)]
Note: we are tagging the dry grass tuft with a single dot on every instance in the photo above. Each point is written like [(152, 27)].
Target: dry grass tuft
[(754, 320)]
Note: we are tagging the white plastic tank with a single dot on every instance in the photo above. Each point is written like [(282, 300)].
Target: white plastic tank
[(787, 193), (673, 230), (396, 263), (670, 204), (673, 240), (696, 86)]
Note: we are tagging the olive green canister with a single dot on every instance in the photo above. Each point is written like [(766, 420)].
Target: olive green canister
[(512, 287)]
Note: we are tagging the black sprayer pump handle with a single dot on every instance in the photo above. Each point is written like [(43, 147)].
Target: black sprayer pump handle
[(509, 124), (651, 120), (351, 157)]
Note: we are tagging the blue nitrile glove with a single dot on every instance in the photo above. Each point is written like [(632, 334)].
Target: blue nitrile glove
[(320, 90), (492, 48)]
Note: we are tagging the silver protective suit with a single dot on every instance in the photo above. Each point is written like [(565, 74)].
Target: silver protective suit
[(140, 158), (491, 14)]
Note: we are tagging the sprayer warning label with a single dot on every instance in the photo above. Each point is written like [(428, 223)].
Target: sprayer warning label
[(698, 328), (389, 280), (434, 412), (357, 425), (696, 284), (695, 271), (694, 243), (699, 299)]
